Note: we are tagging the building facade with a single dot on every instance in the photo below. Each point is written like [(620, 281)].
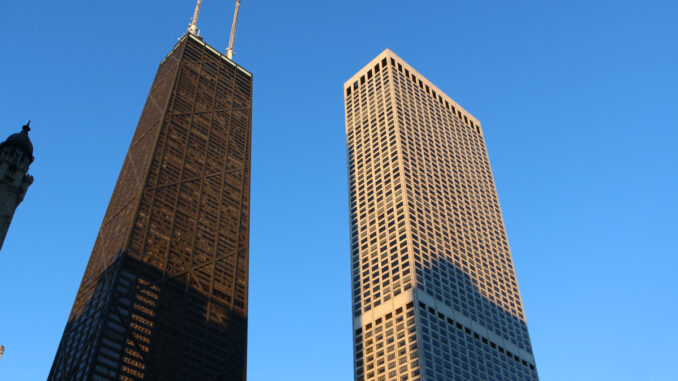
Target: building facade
[(164, 295), (435, 295), (16, 156)]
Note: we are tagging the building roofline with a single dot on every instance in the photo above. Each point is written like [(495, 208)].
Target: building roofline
[(388, 53), (208, 46)]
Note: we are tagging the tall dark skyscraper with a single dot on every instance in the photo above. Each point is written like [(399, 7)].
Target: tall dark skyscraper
[(435, 295), (164, 295), (16, 156)]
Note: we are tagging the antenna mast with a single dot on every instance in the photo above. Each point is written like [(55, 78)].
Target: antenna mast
[(229, 50), (193, 26)]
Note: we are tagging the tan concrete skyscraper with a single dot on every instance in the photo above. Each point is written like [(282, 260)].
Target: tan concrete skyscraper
[(435, 295)]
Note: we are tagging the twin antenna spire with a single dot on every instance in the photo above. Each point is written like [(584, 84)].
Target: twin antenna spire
[(193, 26)]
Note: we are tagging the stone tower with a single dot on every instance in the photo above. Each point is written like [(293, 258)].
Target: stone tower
[(16, 155)]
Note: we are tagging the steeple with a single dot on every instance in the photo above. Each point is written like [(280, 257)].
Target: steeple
[(16, 155)]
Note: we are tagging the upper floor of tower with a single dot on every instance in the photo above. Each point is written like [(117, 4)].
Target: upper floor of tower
[(18, 149), (16, 155)]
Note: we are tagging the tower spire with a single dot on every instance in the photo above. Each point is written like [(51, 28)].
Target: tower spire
[(229, 50), (193, 26)]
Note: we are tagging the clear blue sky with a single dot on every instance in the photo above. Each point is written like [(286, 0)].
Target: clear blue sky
[(578, 102)]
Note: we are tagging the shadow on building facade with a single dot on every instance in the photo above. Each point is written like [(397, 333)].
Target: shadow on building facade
[(141, 324)]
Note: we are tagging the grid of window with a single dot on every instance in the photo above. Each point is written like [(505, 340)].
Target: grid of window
[(459, 243), (165, 292), (426, 224), (452, 349), (380, 264), (386, 350)]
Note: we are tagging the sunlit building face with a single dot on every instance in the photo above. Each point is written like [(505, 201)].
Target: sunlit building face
[(435, 295)]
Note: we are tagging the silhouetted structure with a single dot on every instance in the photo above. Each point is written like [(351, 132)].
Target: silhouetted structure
[(164, 295), (16, 156), (435, 295)]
